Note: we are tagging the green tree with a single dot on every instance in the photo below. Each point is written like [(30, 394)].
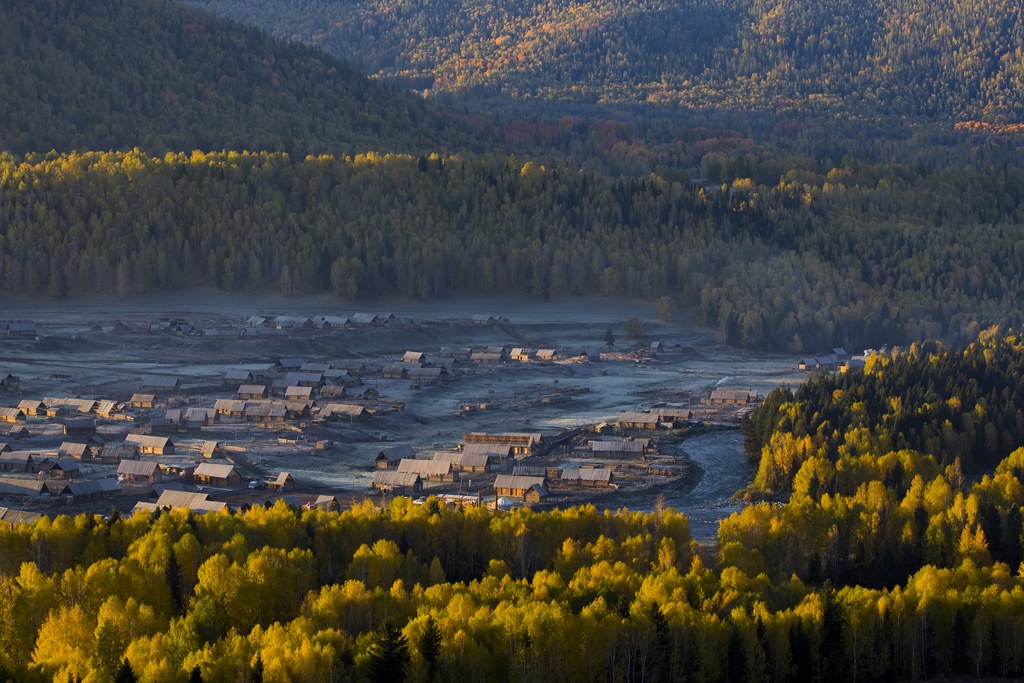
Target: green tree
[(256, 674), (666, 308), (124, 673), (389, 655), (609, 338), (430, 647), (172, 573), (634, 328)]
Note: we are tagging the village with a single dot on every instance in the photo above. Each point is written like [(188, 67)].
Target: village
[(483, 423)]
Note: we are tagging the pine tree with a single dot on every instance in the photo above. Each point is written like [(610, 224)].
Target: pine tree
[(609, 338), (831, 631), (800, 650), (430, 647), (388, 655), (124, 673), (961, 642), (196, 676), (172, 572), (663, 644), (735, 660), (256, 675), (1011, 537)]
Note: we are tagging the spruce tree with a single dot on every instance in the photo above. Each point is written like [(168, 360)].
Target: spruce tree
[(961, 643), (735, 659), (124, 673), (430, 647), (663, 644), (388, 655), (172, 572), (256, 675), (800, 650)]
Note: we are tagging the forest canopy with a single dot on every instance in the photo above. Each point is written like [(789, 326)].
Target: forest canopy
[(940, 59), (851, 255), (165, 77)]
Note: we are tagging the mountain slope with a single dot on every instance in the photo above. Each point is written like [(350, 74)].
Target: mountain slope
[(117, 74), (951, 59)]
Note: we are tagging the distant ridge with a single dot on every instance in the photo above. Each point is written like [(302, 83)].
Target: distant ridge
[(117, 74)]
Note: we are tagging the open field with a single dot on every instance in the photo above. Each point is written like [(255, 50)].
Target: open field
[(70, 357)]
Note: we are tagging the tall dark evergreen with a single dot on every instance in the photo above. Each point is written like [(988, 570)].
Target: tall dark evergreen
[(962, 664), (429, 646), (735, 659), (256, 673), (124, 673), (172, 573), (662, 653), (389, 655)]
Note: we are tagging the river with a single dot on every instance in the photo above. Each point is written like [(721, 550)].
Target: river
[(726, 470)]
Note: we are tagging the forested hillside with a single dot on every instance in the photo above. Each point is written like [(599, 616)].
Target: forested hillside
[(862, 254), (163, 77), (879, 464), (945, 58)]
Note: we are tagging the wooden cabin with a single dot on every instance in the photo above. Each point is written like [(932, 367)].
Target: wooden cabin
[(223, 476), (143, 400), (283, 482), (251, 392), (80, 426), (398, 483), (230, 408), (431, 470), (146, 471), (597, 477), (461, 461), (511, 485), (741, 396), (236, 378), (156, 445), (212, 449), (638, 421), (12, 415), (389, 458), (161, 385)]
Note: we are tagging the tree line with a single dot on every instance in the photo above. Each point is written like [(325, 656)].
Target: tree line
[(822, 256), (427, 593)]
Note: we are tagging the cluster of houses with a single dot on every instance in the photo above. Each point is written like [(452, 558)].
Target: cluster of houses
[(416, 365), (657, 418), (836, 361), (400, 472), (257, 327), (75, 491), (199, 502), (661, 347)]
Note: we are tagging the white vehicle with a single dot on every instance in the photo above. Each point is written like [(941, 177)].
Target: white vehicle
[(255, 485)]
